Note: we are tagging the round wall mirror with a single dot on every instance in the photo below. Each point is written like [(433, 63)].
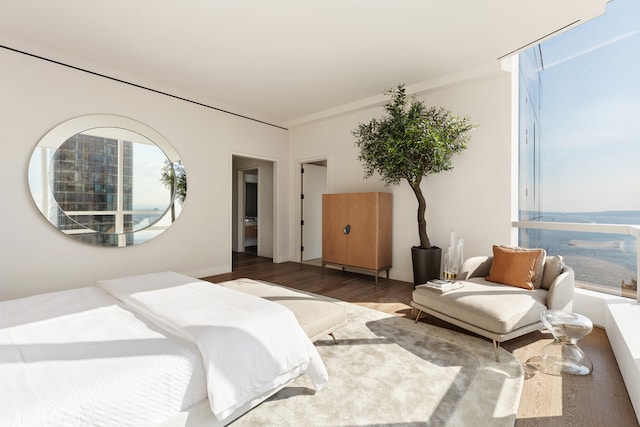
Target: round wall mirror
[(107, 180)]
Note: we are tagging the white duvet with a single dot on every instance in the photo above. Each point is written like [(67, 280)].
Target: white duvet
[(77, 357), (82, 357), (249, 345)]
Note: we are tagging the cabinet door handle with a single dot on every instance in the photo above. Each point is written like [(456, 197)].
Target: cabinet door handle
[(346, 229)]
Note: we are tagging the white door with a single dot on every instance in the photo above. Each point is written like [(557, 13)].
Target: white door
[(314, 184)]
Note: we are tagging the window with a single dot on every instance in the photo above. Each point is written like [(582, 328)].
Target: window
[(580, 148)]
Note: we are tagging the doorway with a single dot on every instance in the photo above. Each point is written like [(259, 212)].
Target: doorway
[(313, 184), (253, 205)]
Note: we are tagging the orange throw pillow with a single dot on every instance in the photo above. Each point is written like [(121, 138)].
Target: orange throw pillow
[(514, 267)]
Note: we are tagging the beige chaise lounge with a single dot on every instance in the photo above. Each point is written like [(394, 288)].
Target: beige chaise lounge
[(497, 311), (318, 315)]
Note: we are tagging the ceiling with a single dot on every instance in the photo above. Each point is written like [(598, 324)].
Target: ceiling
[(282, 60)]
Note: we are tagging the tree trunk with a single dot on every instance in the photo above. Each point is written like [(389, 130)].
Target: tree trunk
[(422, 208)]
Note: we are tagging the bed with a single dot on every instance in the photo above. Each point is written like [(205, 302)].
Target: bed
[(143, 349)]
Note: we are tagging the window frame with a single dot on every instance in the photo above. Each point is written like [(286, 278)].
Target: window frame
[(526, 82)]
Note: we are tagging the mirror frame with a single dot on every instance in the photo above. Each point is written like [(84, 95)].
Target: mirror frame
[(67, 129)]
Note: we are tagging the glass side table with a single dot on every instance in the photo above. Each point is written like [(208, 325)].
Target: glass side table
[(563, 355)]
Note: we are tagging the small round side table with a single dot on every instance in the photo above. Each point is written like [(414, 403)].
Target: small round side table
[(563, 354)]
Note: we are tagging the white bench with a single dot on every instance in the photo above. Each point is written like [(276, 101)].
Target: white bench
[(318, 315)]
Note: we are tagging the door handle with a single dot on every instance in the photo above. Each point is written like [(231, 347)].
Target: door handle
[(346, 229)]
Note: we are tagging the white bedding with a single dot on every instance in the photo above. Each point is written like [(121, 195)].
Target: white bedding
[(79, 358), (249, 345)]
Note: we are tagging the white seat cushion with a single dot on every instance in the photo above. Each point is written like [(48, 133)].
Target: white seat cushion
[(318, 315), (491, 306)]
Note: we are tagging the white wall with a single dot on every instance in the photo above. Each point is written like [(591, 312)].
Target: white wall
[(474, 199), (35, 257), (38, 95)]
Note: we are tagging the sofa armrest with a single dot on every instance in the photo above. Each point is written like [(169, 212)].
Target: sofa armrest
[(560, 295), (478, 266)]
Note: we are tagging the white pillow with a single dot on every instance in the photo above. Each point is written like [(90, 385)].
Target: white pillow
[(553, 266)]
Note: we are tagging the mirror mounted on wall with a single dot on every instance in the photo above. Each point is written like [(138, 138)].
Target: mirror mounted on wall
[(107, 180)]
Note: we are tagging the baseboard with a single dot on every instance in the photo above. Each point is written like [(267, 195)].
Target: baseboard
[(206, 272)]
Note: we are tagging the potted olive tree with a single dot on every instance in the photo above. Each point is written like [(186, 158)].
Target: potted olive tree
[(410, 142)]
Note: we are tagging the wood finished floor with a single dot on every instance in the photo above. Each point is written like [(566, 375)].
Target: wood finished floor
[(599, 399)]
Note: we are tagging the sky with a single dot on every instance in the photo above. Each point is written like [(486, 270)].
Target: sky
[(590, 114), (148, 161)]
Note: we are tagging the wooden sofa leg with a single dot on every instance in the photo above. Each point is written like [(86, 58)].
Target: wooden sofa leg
[(496, 349), (418, 316), (335, 341)]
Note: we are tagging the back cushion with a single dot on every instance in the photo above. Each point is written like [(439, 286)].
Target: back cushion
[(518, 267), (553, 266)]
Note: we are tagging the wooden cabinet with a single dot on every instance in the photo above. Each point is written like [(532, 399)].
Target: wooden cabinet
[(250, 231), (356, 230)]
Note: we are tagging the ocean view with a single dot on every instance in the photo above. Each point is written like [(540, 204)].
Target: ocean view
[(598, 258)]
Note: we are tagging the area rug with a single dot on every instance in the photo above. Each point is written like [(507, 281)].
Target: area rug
[(386, 370)]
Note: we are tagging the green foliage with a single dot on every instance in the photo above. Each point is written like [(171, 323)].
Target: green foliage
[(411, 141), (174, 178)]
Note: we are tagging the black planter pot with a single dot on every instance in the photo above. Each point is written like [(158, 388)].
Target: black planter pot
[(426, 264)]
